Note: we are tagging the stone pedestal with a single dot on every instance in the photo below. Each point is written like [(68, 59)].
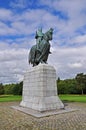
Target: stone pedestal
[(40, 90)]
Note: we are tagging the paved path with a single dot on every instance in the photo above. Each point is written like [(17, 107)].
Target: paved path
[(11, 119)]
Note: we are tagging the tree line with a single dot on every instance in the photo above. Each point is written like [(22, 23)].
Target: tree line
[(72, 86), (76, 85), (14, 89)]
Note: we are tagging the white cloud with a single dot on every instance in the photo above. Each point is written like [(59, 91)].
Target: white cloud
[(13, 64), (5, 14), (68, 61), (75, 65), (12, 54), (18, 4), (74, 11), (27, 22), (68, 47), (6, 30), (80, 39)]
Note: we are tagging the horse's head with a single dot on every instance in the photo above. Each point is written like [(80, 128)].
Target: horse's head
[(48, 34)]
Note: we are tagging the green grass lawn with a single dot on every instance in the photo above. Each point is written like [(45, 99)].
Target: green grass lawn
[(73, 98), (8, 98), (65, 98)]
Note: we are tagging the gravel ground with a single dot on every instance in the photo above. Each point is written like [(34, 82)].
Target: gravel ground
[(11, 119)]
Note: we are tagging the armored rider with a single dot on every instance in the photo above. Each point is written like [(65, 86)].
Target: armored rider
[(39, 38)]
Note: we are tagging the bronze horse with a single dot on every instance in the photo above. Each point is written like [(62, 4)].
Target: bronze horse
[(35, 56)]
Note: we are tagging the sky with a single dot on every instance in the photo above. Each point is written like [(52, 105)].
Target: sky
[(19, 21)]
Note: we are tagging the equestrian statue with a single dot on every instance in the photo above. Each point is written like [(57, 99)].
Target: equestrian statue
[(39, 52)]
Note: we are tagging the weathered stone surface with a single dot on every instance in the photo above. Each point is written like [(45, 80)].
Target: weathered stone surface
[(39, 114), (40, 90)]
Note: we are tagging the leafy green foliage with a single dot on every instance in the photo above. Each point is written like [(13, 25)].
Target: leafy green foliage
[(8, 88), (81, 81), (15, 89), (1, 89), (67, 86), (72, 86)]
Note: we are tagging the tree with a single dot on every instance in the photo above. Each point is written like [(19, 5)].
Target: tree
[(1, 89), (67, 86), (81, 81), (17, 90), (58, 80), (8, 88)]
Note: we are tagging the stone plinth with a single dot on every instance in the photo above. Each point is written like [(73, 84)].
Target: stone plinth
[(40, 89)]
